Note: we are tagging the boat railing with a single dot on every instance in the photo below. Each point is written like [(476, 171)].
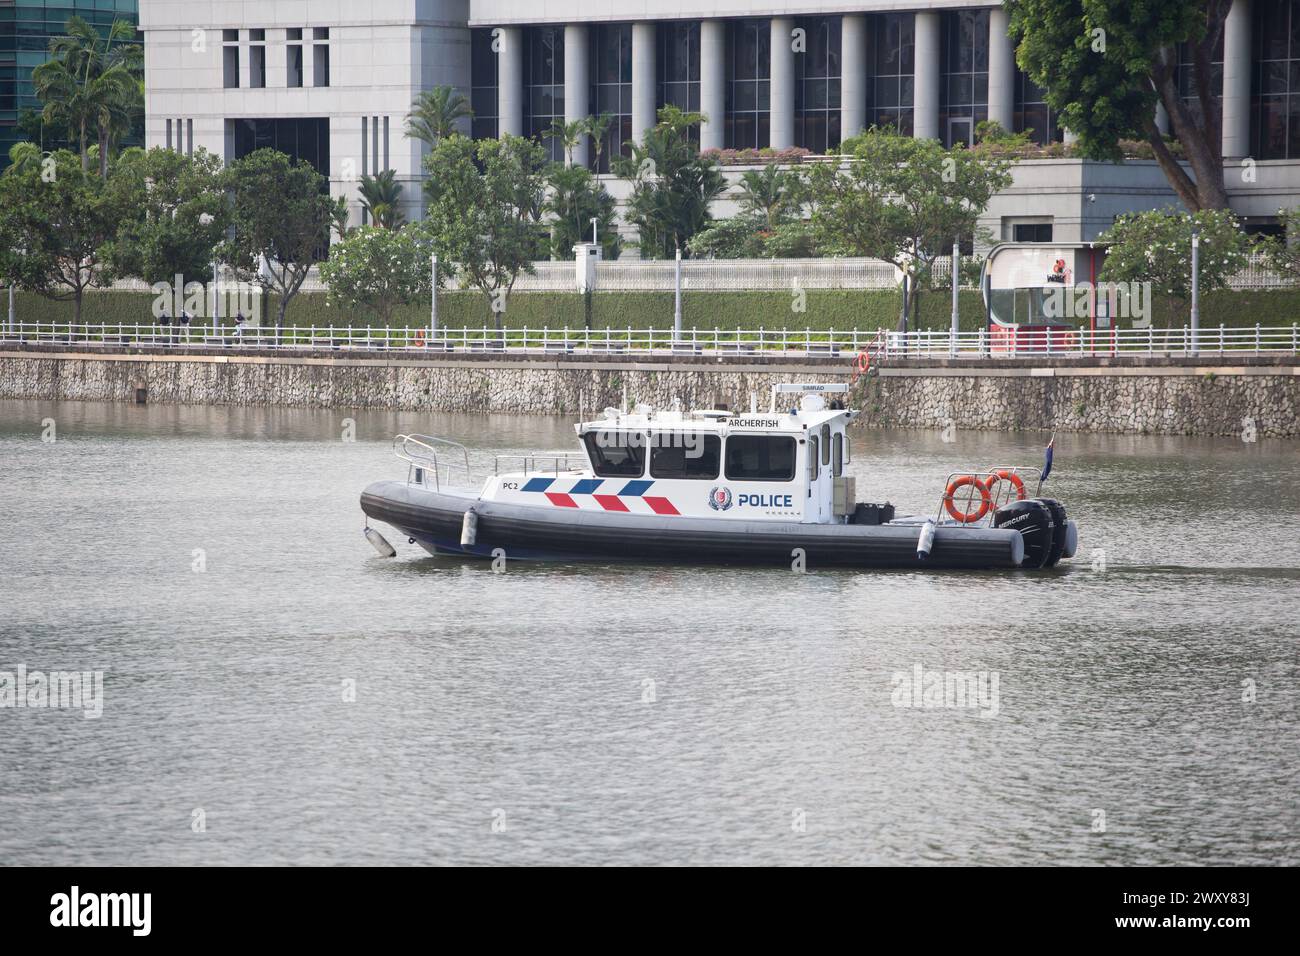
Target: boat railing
[(993, 489), (420, 452), (541, 463)]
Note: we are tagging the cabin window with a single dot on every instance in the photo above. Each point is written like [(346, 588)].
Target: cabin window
[(812, 457), (616, 454), (685, 456), (838, 458), (826, 444), (760, 458)]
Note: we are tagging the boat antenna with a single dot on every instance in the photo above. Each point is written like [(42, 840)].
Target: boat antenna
[(753, 402), (625, 398)]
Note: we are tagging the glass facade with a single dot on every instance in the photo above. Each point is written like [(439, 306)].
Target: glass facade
[(677, 70), (1275, 81), (1186, 74), (610, 63), (544, 85), (749, 84), (817, 85), (307, 138), (1033, 115), (891, 60), (25, 31), (964, 76), (484, 83)]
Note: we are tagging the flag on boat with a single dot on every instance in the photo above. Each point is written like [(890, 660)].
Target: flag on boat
[(1047, 458)]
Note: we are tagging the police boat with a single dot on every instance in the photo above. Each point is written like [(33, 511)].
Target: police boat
[(712, 486)]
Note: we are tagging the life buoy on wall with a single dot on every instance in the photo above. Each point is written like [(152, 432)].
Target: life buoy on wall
[(1005, 474), (862, 364), (949, 503), (419, 338)]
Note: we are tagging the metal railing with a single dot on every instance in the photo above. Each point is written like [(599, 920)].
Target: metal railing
[(808, 342), (541, 463), (420, 452)]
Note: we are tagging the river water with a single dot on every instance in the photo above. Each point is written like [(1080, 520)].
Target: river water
[(273, 692)]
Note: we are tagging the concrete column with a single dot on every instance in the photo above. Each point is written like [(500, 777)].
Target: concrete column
[(1236, 81), (781, 118), (925, 102), (643, 78), (1002, 71), (577, 86), (713, 83), (510, 80), (853, 74)]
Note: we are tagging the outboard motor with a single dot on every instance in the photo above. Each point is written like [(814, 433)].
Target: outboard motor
[(1033, 519), (1060, 531)]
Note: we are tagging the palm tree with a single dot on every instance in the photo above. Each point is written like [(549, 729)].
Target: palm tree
[(596, 127), (92, 82), (569, 135), (380, 195), (434, 114), (770, 193)]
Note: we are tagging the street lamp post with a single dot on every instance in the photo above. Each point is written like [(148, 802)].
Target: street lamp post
[(677, 297), (1196, 290), (433, 296), (956, 312)]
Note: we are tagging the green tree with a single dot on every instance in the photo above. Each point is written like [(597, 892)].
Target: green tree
[(56, 219), (1283, 252), (436, 113), (484, 206), (575, 198), (92, 83), (672, 185), (380, 195), (569, 134), (1156, 247), (281, 215), (178, 214), (1104, 64), (597, 127), (903, 200), (377, 269), (772, 193)]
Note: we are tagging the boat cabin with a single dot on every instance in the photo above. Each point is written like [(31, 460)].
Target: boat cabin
[(786, 464)]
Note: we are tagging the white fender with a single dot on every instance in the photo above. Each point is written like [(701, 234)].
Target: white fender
[(1071, 540), (925, 542), (380, 543), (469, 529)]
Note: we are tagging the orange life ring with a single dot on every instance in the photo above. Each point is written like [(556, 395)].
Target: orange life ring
[(862, 364), (419, 338), (962, 481), (1003, 474)]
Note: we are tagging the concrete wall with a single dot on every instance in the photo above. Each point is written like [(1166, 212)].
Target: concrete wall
[(1211, 397)]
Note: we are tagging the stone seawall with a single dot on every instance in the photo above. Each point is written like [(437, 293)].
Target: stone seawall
[(1210, 396)]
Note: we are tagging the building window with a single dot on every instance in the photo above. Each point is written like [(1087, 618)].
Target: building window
[(892, 62), (257, 65), (611, 87), (544, 85), (1033, 115), (1030, 231), (817, 85), (1186, 74), (749, 84), (306, 139), (483, 84), (230, 66), (293, 58), (678, 68), (320, 57), (964, 80), (1275, 87)]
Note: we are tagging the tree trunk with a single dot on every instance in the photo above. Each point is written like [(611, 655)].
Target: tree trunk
[(279, 318), (85, 156), (1204, 155), (76, 305), (103, 152)]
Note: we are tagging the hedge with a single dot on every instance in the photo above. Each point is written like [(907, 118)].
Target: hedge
[(824, 309)]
